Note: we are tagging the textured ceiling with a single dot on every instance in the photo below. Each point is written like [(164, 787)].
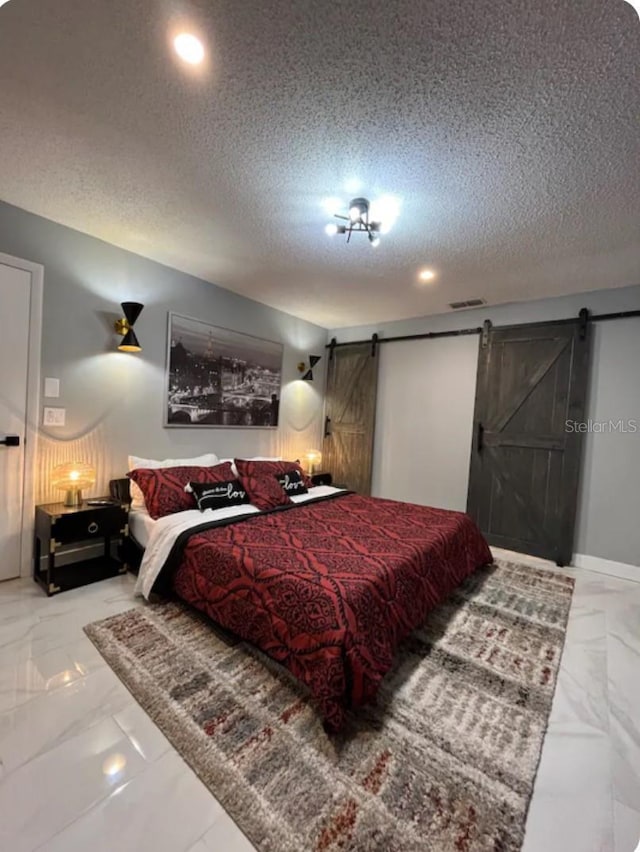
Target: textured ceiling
[(507, 129)]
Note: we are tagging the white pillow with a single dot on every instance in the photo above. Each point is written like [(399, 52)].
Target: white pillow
[(234, 469), (137, 497)]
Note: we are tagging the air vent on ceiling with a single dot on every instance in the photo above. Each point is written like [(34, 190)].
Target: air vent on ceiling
[(470, 303)]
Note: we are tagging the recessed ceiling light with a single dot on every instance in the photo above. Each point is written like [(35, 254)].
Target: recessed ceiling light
[(189, 48), (426, 275)]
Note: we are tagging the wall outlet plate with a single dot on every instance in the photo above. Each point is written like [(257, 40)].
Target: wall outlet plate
[(54, 417)]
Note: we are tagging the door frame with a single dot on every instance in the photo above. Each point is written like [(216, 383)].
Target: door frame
[(36, 271)]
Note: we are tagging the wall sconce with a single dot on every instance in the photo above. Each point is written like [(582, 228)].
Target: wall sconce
[(308, 376), (124, 326)]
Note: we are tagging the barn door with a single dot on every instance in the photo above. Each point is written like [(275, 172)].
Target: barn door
[(352, 384), (525, 461)]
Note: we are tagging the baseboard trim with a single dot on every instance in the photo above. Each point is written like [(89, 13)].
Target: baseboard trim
[(606, 566)]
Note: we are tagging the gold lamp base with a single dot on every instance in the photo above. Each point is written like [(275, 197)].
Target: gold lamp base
[(73, 497)]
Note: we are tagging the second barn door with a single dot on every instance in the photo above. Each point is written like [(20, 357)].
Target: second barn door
[(352, 384), (526, 454)]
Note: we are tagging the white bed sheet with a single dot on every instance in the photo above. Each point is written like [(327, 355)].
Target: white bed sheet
[(140, 525), (164, 532)]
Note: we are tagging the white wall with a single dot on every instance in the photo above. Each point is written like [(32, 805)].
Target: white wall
[(609, 507), (424, 424), (425, 406)]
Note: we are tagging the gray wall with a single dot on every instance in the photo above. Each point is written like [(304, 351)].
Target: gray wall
[(425, 411), (114, 401)]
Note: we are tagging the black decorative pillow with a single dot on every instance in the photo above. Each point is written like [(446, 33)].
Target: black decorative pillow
[(292, 482), (218, 495)]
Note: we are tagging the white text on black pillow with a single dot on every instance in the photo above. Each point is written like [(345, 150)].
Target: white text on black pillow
[(292, 482), (218, 495)]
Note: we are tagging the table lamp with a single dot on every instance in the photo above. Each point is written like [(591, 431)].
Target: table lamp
[(313, 459), (72, 477)]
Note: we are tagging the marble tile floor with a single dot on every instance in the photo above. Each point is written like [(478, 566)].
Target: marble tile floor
[(83, 768)]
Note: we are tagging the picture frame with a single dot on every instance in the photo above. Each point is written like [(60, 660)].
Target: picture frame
[(219, 378)]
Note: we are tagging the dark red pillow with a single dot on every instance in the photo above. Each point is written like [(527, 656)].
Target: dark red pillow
[(247, 467), (264, 490), (163, 488)]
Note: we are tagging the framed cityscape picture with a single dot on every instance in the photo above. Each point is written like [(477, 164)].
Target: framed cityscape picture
[(218, 377)]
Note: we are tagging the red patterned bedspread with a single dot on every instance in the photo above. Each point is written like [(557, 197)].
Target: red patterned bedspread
[(330, 588)]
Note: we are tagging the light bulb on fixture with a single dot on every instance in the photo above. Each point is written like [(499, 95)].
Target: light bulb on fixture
[(331, 229), (359, 210), (385, 210), (189, 48), (374, 239)]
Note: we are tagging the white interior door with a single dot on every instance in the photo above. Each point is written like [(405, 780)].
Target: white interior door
[(15, 303)]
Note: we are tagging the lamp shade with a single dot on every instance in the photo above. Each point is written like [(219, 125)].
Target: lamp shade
[(130, 342), (124, 326), (132, 311), (313, 360), (72, 477)]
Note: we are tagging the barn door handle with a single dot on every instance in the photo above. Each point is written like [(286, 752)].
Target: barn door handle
[(480, 437), (11, 441), (327, 428)]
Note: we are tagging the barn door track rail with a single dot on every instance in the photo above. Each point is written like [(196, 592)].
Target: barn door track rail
[(585, 317)]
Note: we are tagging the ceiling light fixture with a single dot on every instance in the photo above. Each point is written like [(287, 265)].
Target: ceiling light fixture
[(358, 222), (189, 48), (426, 275)]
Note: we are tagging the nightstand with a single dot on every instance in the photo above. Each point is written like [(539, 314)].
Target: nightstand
[(322, 478), (58, 525)]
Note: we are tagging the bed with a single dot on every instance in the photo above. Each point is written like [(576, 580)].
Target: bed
[(141, 525), (327, 586)]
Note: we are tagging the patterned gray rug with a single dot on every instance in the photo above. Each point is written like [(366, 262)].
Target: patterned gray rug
[(445, 761)]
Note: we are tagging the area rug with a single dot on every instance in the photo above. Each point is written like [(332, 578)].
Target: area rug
[(446, 760)]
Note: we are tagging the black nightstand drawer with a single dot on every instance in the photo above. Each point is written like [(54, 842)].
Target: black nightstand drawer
[(78, 526)]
